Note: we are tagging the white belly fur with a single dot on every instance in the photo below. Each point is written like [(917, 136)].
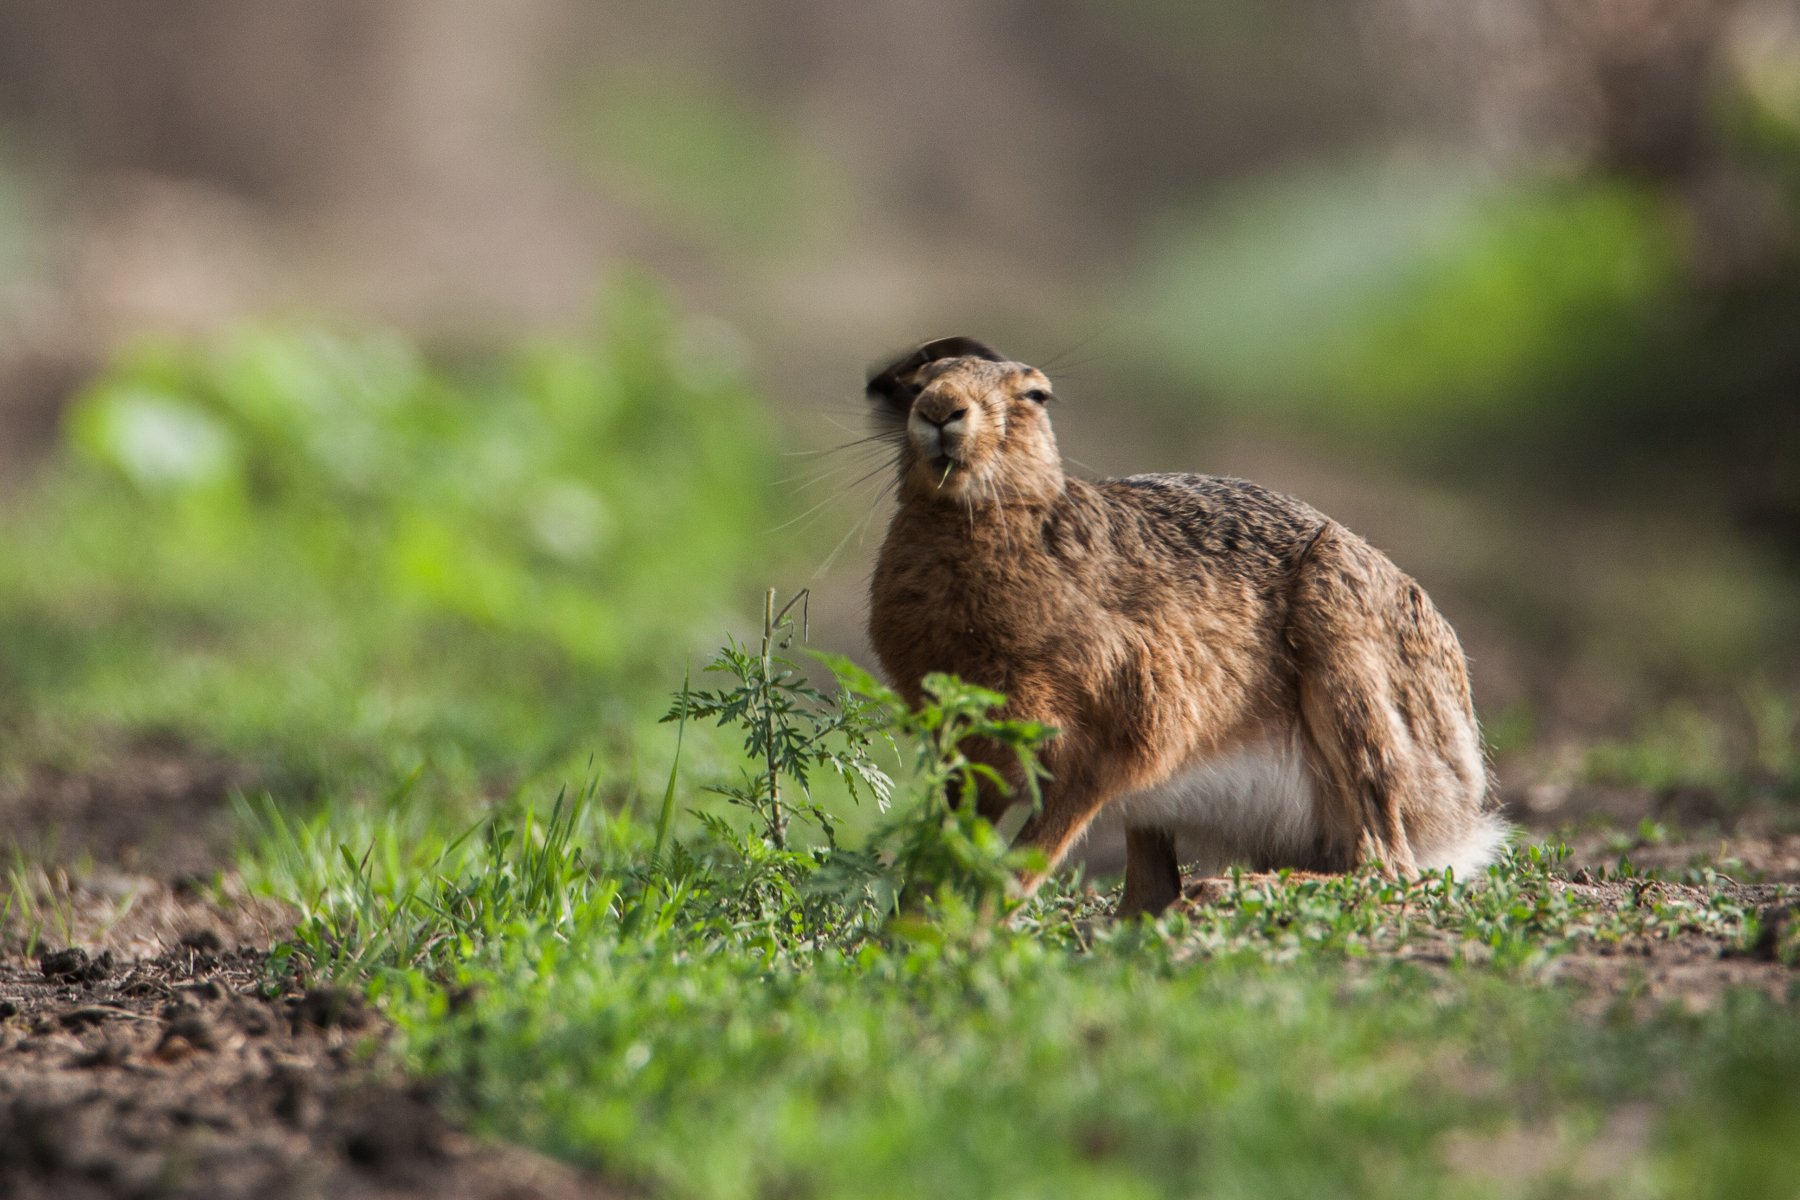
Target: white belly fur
[(1257, 803)]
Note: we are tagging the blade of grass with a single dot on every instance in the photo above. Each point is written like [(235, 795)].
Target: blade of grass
[(666, 816)]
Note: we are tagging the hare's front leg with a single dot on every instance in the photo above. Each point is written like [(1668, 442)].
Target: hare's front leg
[(1069, 806), (1081, 783)]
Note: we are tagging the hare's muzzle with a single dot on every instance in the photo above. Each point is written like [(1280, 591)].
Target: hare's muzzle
[(937, 430)]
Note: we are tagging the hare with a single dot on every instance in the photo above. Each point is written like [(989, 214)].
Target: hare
[(1221, 661)]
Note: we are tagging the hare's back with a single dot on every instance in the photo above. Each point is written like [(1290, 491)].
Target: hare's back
[(1216, 515)]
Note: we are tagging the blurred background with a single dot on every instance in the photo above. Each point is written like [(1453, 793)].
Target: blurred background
[(423, 378)]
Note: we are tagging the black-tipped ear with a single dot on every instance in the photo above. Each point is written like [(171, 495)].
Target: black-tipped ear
[(892, 385)]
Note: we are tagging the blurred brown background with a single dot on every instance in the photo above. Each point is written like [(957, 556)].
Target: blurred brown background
[(1511, 286)]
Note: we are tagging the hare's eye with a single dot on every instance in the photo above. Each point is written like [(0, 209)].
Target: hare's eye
[(1038, 395)]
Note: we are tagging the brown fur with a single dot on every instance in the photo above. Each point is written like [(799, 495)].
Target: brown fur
[(1161, 622)]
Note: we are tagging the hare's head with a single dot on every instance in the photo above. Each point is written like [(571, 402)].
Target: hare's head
[(971, 425)]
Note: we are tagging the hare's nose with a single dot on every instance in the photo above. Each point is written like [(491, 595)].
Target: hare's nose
[(936, 428)]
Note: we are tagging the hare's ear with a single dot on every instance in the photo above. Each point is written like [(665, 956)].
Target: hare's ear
[(893, 384)]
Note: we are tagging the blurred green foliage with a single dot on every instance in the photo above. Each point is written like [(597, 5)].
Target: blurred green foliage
[(332, 548), (1615, 334), (1405, 299), (1760, 113), (1744, 751)]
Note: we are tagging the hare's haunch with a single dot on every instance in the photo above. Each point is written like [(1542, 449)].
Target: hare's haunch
[(1224, 663)]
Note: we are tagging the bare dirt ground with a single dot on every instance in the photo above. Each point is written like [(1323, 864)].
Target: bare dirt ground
[(144, 1050), (177, 1076), (1684, 964), (1694, 967)]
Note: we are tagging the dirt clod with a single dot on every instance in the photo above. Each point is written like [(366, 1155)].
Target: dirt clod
[(75, 966), (329, 1008), (190, 1029), (405, 1129), (202, 940), (84, 1017), (107, 1054)]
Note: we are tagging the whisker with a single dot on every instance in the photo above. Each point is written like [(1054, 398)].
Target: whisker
[(858, 422), (994, 498), (1060, 362), (893, 464), (859, 529), (854, 459), (886, 435), (887, 489), (817, 477), (792, 521)]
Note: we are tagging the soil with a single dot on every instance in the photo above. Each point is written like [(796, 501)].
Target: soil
[(178, 1075), (151, 804), (1691, 969), (146, 1052), (1694, 968)]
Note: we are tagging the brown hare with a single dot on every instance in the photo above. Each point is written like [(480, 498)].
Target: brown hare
[(1223, 662)]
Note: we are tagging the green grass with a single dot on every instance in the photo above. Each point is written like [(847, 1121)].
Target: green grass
[(1280, 1042), (732, 1019), (440, 608)]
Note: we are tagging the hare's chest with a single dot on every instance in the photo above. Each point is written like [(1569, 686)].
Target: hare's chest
[(940, 613)]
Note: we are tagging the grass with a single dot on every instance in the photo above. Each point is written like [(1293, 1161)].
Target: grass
[(1281, 1041), (731, 1019), (443, 608)]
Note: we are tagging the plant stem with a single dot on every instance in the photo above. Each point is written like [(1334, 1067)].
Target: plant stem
[(777, 818)]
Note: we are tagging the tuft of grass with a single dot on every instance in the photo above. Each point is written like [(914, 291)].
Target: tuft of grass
[(47, 905)]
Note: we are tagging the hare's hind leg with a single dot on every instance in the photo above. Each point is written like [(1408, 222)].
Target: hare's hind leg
[(1152, 872), (1361, 785), (1384, 702)]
